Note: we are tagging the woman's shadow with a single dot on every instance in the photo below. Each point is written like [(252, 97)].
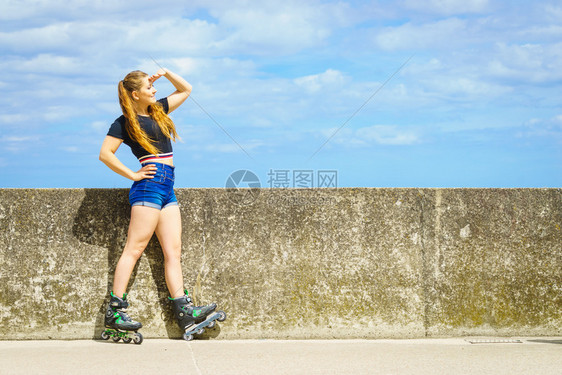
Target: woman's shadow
[(103, 220)]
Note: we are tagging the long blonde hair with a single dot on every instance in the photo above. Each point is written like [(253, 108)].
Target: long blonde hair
[(133, 82)]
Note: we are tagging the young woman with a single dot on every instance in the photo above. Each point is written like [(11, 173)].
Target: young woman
[(146, 128)]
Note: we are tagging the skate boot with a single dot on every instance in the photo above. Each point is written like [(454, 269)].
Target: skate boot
[(118, 324), (193, 319)]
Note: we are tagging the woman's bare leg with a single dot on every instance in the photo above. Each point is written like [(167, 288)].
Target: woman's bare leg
[(168, 231), (143, 223)]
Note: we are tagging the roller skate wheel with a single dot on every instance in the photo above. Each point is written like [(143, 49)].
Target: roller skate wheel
[(200, 331), (187, 337), (116, 338), (104, 335), (212, 324), (138, 338), (127, 340), (222, 316)]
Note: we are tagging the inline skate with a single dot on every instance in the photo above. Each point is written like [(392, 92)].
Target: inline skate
[(118, 325), (194, 319)]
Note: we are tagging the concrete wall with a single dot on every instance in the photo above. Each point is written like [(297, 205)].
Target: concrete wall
[(329, 263)]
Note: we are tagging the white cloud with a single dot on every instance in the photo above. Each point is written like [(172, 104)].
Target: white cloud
[(89, 38), (71, 149), (47, 63), (538, 127), (533, 63), (43, 11), (99, 125), (455, 86), (15, 139), (209, 138), (277, 28), (391, 135), (265, 28), (13, 118), (553, 12), (478, 34), (448, 7), (210, 68), (17, 143), (446, 33), (330, 79), (67, 54), (387, 135)]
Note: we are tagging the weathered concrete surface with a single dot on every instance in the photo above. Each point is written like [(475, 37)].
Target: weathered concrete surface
[(495, 263), (328, 263)]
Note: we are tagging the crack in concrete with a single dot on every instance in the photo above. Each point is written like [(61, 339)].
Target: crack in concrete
[(424, 274), (194, 359)]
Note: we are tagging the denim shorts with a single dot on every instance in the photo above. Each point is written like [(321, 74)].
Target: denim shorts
[(156, 192)]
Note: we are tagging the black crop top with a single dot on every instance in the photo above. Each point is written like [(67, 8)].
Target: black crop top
[(151, 128)]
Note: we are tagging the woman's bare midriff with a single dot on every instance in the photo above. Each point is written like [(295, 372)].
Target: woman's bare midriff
[(167, 161)]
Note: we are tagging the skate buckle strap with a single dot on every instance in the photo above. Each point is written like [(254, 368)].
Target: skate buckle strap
[(187, 300), (119, 304), (187, 297)]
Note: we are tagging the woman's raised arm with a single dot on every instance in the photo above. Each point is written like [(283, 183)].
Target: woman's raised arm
[(183, 88)]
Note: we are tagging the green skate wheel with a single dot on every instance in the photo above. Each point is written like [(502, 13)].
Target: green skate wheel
[(116, 338), (187, 337), (138, 338)]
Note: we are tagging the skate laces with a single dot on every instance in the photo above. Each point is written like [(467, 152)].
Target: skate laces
[(124, 316), (188, 307)]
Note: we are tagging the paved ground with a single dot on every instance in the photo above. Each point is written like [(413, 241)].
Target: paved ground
[(431, 356)]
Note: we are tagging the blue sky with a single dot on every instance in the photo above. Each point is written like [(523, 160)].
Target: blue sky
[(479, 104)]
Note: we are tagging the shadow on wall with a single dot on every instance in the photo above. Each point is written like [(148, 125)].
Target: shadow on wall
[(103, 220)]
